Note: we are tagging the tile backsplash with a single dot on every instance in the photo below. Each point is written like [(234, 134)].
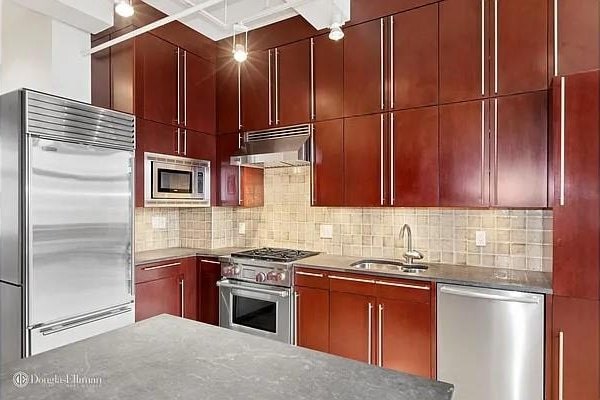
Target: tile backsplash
[(519, 239)]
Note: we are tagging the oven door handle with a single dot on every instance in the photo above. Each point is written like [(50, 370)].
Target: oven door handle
[(227, 284)]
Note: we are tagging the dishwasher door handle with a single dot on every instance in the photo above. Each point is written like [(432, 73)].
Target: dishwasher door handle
[(478, 294)]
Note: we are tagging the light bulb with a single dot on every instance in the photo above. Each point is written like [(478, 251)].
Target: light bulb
[(239, 53), (124, 8), (336, 32)]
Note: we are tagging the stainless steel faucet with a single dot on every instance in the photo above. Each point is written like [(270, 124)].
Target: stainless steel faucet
[(410, 254)]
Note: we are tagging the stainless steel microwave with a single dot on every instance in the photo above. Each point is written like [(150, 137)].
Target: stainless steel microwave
[(171, 181)]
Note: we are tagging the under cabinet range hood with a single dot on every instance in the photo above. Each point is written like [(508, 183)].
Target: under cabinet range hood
[(277, 147)]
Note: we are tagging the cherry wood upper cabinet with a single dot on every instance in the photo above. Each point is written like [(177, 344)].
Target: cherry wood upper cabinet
[(519, 160), (157, 71), (577, 186), (519, 46), (328, 67), (328, 165), (464, 69), (414, 155), (312, 320), (364, 162), (351, 324), (364, 68), (414, 58), (123, 75), (576, 323), (199, 102), (208, 298), (577, 36), (293, 83), (199, 145), (464, 158), (100, 75), (228, 175), (256, 88), (227, 107), (364, 10)]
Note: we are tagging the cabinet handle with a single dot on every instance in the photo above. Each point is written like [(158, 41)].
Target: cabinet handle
[(239, 87), (309, 274), (496, 151), (392, 161), (276, 86), (178, 88), (381, 68), (555, 37), (381, 161), (181, 285), (312, 165), (483, 47), (178, 142), (240, 200), (270, 94), (562, 138), (296, 308), (483, 169), (184, 89), (380, 337), (210, 262), (402, 285), (392, 62), (185, 142), (496, 46), (370, 333), (312, 80), (161, 266), (561, 364), (345, 278)]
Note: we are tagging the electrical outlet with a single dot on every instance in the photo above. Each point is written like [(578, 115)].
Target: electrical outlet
[(159, 222), (480, 240), (326, 231), (242, 228)]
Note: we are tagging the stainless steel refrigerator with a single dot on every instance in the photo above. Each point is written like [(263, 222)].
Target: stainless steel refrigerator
[(66, 222)]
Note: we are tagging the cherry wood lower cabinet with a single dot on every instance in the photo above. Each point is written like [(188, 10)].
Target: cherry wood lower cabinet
[(312, 318), (209, 272), (575, 349)]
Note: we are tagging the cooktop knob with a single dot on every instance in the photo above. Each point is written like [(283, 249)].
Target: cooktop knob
[(275, 276), (261, 277)]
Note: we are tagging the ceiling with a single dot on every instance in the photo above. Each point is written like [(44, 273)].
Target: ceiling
[(218, 20)]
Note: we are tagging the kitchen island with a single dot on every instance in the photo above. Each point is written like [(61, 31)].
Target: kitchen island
[(167, 357)]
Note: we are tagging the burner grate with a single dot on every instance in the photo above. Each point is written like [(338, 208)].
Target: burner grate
[(275, 254)]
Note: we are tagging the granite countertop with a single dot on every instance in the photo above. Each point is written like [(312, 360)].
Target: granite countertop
[(145, 257), (167, 357), (498, 278)]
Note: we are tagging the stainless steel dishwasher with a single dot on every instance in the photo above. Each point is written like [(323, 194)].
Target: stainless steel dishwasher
[(490, 343)]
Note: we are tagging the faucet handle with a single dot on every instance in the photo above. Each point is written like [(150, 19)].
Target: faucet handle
[(412, 255)]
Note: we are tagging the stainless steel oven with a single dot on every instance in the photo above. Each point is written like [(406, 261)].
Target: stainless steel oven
[(257, 309), (176, 181)]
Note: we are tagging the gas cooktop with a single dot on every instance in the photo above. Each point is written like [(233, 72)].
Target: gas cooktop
[(274, 254)]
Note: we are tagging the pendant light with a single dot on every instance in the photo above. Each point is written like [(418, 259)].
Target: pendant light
[(240, 50), (124, 8)]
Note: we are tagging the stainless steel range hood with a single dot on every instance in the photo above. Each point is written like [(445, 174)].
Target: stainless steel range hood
[(278, 147)]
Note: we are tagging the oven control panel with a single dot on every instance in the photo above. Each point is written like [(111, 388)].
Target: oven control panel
[(271, 275)]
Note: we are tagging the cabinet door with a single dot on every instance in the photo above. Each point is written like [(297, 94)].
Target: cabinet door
[(364, 10), (463, 49), (227, 95), (520, 59), (414, 155), (328, 165), (100, 75), (576, 210), (519, 160), (253, 188), (198, 145), (352, 326), (293, 62), (364, 160), (363, 67), (210, 273), (415, 57), (228, 175), (160, 296), (578, 36), (256, 91), (199, 106), (312, 318), (328, 66), (577, 323), (189, 288), (464, 161), (405, 338), (123, 74), (157, 79)]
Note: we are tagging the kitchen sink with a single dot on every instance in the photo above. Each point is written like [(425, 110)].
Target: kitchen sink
[(388, 265)]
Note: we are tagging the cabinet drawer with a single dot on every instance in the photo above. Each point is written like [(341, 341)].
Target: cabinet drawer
[(314, 278), (405, 290), (159, 270), (352, 283)]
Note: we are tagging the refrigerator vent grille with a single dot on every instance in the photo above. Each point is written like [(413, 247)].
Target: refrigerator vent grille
[(61, 119)]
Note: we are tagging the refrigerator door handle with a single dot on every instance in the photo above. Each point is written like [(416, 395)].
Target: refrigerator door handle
[(82, 321)]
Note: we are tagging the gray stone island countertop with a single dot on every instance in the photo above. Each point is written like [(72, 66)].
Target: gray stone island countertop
[(167, 357), (496, 278), (145, 257)]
